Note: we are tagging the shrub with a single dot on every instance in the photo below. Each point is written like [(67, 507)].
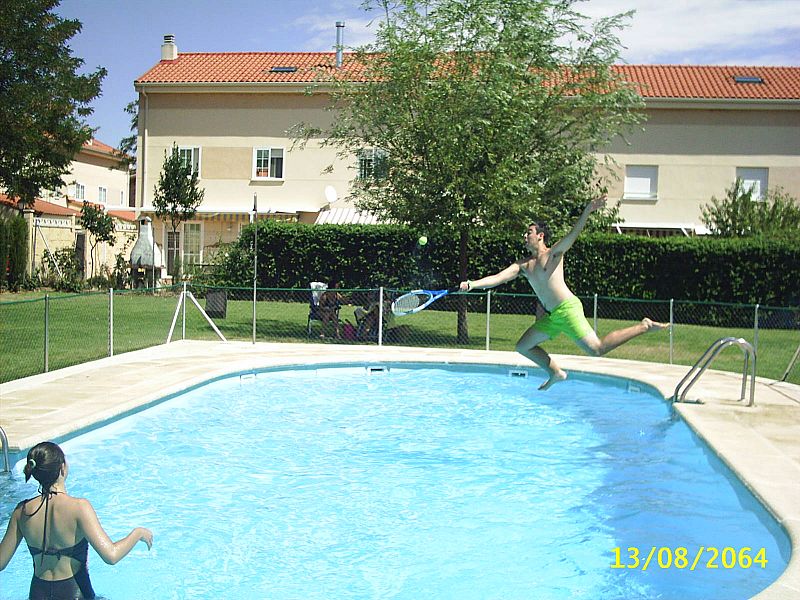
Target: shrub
[(13, 252), (69, 279), (746, 270), (738, 214)]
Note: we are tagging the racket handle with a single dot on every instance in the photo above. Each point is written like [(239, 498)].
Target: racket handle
[(453, 290)]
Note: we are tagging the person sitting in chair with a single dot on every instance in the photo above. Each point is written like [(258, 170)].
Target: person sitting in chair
[(329, 303), (368, 318)]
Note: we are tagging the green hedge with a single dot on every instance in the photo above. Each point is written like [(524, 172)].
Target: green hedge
[(13, 251), (744, 271)]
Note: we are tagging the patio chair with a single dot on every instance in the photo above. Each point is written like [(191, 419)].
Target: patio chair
[(314, 313)]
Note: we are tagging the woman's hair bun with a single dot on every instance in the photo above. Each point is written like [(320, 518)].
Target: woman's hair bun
[(29, 467)]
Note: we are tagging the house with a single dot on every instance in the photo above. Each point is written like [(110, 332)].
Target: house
[(228, 113), (706, 126), (97, 176)]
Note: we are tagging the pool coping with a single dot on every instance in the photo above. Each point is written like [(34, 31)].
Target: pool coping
[(761, 444)]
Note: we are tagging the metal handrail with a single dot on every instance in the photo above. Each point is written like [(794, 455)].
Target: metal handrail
[(4, 439), (709, 356)]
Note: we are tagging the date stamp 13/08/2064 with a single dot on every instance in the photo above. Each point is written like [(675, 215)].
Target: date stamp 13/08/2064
[(704, 557)]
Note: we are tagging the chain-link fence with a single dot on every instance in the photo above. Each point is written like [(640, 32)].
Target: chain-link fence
[(54, 332)]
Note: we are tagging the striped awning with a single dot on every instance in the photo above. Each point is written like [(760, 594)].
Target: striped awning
[(345, 216), (234, 217)]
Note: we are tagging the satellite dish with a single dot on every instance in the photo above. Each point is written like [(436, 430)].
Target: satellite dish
[(330, 194)]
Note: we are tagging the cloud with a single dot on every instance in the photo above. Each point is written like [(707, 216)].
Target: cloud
[(753, 32), (708, 32), (320, 31)]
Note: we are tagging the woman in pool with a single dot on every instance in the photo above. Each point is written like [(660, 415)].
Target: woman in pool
[(58, 530)]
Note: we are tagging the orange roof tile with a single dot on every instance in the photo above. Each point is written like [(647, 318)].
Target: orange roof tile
[(655, 81), (123, 215), (246, 67), (41, 207), (120, 213), (98, 146), (684, 81)]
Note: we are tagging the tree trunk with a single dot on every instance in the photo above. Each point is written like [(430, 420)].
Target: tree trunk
[(91, 255), (175, 264), (463, 331)]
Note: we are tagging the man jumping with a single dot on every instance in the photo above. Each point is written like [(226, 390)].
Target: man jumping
[(544, 270)]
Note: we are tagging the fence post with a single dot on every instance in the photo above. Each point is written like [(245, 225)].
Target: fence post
[(111, 321), (488, 316), (47, 333), (671, 326), (595, 313), (255, 259), (755, 331), (380, 316), (183, 315)]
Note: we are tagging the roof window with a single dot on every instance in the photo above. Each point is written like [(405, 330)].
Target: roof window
[(283, 69), (748, 79)]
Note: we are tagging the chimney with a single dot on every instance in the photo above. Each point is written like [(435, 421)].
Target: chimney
[(339, 37), (169, 51)]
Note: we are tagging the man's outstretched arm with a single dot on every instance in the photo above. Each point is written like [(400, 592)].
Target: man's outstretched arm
[(566, 242), (507, 274)]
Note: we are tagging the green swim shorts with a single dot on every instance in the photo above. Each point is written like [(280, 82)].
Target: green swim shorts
[(567, 318)]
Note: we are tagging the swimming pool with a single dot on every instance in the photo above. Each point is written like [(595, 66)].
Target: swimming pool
[(421, 482)]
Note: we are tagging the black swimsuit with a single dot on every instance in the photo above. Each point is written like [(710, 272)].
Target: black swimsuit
[(76, 587)]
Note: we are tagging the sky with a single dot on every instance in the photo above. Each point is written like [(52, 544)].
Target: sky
[(125, 36)]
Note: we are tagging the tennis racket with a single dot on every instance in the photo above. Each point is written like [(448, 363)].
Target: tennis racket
[(416, 300)]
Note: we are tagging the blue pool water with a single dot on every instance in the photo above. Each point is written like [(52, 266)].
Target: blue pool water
[(435, 483)]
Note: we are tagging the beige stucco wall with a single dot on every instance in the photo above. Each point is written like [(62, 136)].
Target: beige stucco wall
[(697, 153), (227, 127), (697, 148), (94, 172), (57, 233)]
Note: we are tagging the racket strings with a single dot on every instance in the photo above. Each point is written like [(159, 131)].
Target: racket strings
[(409, 302)]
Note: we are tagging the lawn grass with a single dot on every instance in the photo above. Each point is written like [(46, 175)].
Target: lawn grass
[(78, 332)]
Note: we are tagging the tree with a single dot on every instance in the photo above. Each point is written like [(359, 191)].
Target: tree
[(127, 145), (100, 225), (43, 99), (739, 215), (486, 112), (177, 195)]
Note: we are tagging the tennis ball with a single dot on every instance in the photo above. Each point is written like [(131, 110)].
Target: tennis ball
[(423, 240)]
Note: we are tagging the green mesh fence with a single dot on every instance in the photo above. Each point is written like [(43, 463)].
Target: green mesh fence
[(58, 331)]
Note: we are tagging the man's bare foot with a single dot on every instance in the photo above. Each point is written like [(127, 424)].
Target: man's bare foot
[(650, 325), (554, 378)]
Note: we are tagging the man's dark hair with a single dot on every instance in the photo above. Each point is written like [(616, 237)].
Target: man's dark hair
[(541, 227)]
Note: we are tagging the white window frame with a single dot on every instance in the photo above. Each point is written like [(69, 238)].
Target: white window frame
[(195, 156), (80, 191), (754, 177), (641, 182), (184, 228), (166, 230), (102, 194), (269, 149), (366, 161)]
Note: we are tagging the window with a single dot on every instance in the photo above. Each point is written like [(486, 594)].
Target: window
[(371, 163), (102, 194), (191, 157), (80, 191), (191, 244), (754, 178), (268, 163), (173, 249), (641, 182)]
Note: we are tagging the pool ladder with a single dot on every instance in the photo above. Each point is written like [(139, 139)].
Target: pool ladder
[(4, 439), (705, 361)]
